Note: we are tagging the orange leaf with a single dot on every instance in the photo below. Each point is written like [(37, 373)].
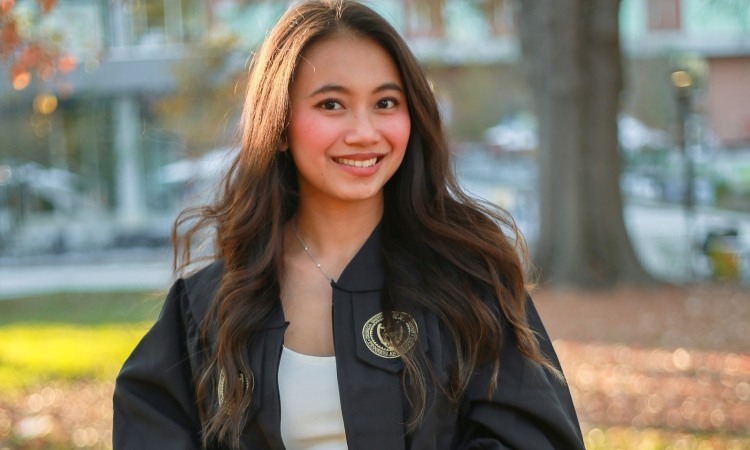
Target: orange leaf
[(5, 6), (34, 56), (46, 5), (9, 38)]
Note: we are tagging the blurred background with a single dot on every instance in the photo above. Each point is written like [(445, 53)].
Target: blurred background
[(615, 132)]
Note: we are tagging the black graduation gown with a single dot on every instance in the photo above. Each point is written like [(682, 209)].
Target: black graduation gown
[(155, 406)]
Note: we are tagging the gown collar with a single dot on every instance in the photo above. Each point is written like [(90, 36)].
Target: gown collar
[(364, 273)]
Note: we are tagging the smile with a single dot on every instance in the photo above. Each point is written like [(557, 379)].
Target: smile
[(356, 163)]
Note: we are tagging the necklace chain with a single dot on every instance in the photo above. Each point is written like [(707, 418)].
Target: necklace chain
[(294, 227)]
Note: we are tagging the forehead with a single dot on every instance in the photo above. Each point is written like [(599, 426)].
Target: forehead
[(348, 60)]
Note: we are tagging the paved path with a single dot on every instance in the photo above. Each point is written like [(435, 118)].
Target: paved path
[(41, 279)]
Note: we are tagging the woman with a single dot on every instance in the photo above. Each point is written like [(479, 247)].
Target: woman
[(359, 299)]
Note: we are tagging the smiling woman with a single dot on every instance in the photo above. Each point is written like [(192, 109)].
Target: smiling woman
[(358, 298)]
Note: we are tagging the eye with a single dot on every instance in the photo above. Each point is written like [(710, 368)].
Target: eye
[(330, 105), (387, 103)]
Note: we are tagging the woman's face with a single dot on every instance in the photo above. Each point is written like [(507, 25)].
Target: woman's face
[(349, 122)]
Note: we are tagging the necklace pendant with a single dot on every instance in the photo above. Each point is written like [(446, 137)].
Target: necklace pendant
[(294, 227)]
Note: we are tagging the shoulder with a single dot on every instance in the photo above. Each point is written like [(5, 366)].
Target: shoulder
[(201, 287)]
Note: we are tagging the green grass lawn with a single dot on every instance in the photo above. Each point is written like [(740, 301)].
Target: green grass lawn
[(82, 308), (71, 336)]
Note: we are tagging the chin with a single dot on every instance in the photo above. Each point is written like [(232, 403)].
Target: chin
[(358, 195)]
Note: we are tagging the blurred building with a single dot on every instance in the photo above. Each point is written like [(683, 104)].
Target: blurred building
[(98, 129), (711, 38)]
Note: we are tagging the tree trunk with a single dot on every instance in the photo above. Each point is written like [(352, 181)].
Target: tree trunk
[(572, 60)]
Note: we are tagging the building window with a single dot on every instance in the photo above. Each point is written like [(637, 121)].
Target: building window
[(423, 18), (663, 15), (500, 16)]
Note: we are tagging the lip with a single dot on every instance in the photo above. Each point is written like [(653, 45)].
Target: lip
[(360, 171), (361, 156)]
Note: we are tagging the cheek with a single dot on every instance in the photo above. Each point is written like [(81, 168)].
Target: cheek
[(310, 134), (398, 132)]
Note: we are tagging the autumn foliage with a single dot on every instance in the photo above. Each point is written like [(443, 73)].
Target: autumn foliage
[(24, 52)]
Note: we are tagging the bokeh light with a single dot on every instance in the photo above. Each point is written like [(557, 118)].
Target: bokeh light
[(45, 104), (682, 79), (21, 80)]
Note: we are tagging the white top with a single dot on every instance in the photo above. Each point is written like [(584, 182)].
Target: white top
[(310, 407)]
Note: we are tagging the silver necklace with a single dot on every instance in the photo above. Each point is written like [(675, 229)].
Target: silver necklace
[(294, 227)]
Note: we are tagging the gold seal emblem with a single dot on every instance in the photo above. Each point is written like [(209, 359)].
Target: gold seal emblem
[(221, 388), (379, 342)]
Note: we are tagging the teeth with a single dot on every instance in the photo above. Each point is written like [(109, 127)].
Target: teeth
[(356, 163)]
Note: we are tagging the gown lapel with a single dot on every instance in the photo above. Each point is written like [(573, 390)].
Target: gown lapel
[(369, 385)]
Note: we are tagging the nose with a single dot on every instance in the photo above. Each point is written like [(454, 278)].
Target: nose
[(363, 131)]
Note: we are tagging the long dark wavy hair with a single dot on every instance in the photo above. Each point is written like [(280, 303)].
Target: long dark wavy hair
[(442, 251)]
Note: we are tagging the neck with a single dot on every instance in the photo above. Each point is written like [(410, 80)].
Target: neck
[(335, 232)]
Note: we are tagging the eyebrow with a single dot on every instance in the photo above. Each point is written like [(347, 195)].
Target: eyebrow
[(338, 88)]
